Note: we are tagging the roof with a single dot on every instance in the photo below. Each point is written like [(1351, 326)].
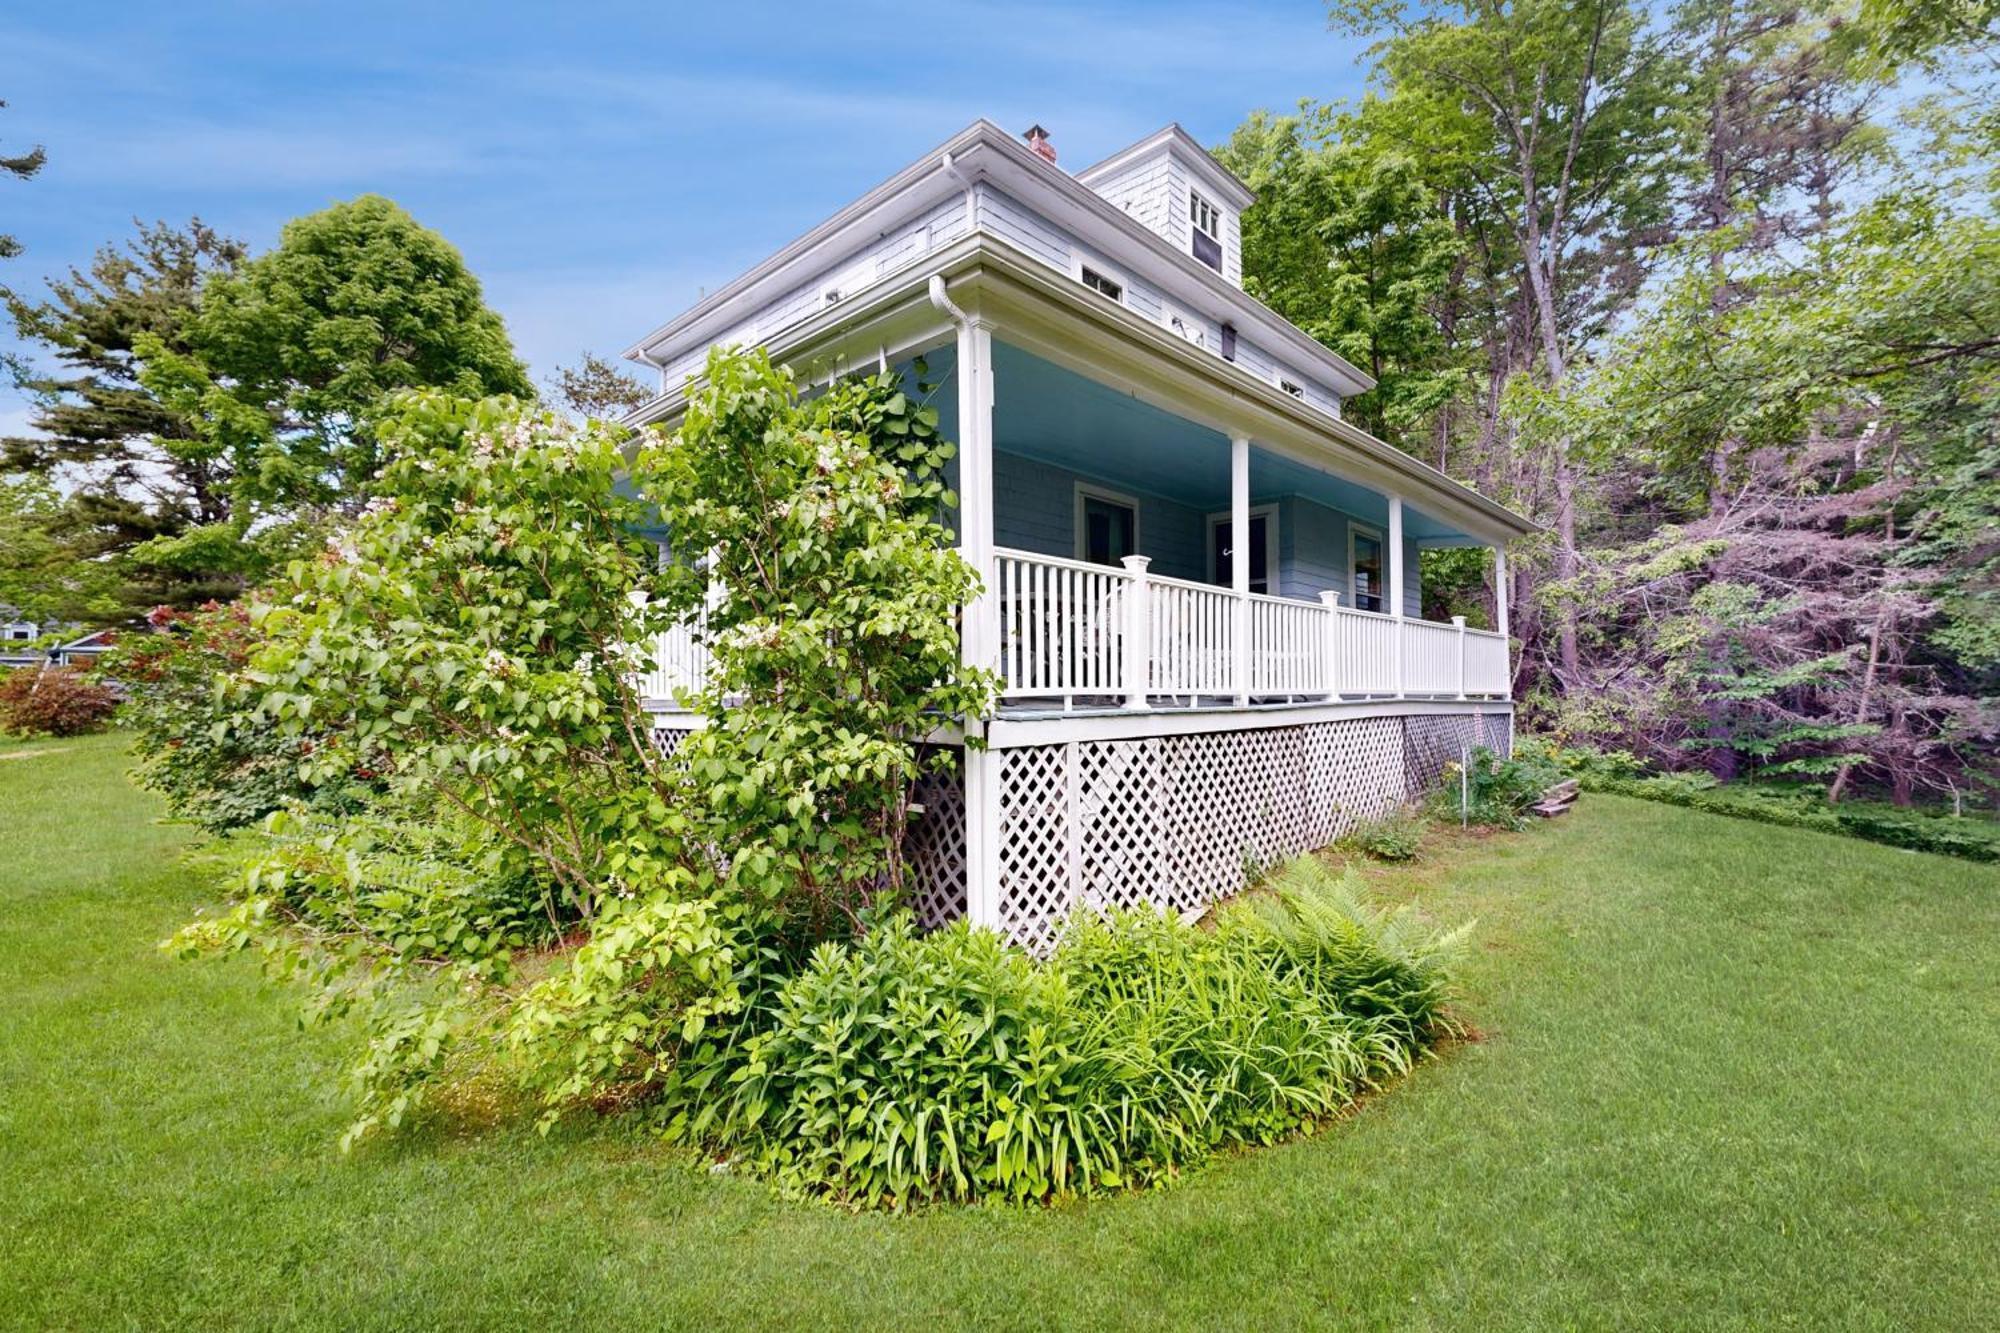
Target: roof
[(983, 147), (1218, 177)]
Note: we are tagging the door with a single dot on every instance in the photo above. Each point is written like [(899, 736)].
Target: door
[(1364, 559), (1222, 554), (1110, 530)]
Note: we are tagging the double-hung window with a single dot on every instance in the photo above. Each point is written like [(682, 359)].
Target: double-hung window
[(1206, 225)]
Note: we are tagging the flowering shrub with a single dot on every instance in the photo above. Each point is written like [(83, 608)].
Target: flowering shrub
[(54, 701), (199, 742), (470, 644)]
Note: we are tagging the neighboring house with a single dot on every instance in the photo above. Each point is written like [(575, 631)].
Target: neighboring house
[(85, 650), (16, 636), (1178, 702)]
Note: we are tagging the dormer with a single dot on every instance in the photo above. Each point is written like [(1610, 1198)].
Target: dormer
[(1173, 186)]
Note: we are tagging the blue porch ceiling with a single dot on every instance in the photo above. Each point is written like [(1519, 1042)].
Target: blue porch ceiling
[(1054, 415)]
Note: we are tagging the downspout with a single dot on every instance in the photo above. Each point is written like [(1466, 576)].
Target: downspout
[(952, 169), (941, 298)]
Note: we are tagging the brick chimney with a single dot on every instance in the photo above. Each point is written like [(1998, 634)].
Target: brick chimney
[(1038, 140)]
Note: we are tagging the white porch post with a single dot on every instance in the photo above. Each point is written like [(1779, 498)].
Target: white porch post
[(979, 623), (1138, 656), (1458, 623), (1239, 559), (1330, 643), (1500, 590), (1396, 582)]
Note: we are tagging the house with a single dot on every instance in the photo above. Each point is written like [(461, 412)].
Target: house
[(17, 637), (84, 650), (1201, 585)]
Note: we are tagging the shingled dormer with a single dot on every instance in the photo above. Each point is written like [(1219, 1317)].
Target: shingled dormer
[(1172, 185)]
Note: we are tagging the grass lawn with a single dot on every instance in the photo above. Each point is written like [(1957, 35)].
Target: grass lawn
[(1732, 1076)]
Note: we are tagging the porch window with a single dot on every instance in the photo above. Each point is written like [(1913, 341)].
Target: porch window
[(1107, 525), (1263, 552), (1364, 567), (1207, 225)]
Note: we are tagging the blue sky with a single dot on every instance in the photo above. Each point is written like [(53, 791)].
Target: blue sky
[(597, 165)]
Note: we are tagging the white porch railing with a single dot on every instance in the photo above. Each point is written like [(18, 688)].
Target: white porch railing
[(680, 661), (1067, 627), (1067, 631), (1062, 625)]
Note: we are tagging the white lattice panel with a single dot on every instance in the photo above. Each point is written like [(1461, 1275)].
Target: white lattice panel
[(668, 739), (934, 848), (1496, 731), (1174, 821), (1430, 743)]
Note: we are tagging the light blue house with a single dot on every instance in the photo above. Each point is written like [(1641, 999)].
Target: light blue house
[(1178, 702)]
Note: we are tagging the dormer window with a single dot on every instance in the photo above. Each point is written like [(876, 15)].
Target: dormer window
[(1207, 227), (1103, 286)]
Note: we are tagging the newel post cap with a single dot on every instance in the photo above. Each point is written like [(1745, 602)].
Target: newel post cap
[(1136, 563), (1329, 597)]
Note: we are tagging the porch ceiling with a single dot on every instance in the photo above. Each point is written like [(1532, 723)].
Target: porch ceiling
[(1054, 415)]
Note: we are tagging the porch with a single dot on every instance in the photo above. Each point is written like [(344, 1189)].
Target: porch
[(1111, 572)]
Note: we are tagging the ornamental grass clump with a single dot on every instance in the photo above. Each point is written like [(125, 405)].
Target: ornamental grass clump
[(902, 1069)]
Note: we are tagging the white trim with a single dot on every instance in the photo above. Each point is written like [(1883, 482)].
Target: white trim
[(1269, 511), (1008, 730), (1091, 490), (1381, 593), (1199, 161)]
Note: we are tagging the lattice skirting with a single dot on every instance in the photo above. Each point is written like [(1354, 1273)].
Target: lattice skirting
[(1175, 821), (1167, 821), (933, 849), (934, 846), (668, 739)]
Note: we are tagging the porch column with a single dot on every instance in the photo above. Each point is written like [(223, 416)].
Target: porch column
[(1500, 590), (1239, 559), (979, 623), (1396, 582)]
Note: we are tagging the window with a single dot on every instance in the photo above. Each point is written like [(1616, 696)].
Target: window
[(1292, 389), (1263, 549), (1107, 525), (1207, 224), (1364, 567), (1102, 285)]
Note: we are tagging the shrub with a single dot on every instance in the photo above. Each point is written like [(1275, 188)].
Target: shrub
[(54, 701), (1495, 792), (1398, 836), (902, 1069), (1794, 806), (200, 744)]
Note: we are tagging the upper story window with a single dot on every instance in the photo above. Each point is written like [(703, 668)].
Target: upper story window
[(1207, 226), (1102, 285)]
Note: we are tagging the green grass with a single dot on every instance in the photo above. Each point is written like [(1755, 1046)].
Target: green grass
[(1732, 1075)]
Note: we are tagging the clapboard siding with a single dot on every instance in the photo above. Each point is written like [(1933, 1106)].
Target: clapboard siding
[(879, 259), (1158, 191)]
